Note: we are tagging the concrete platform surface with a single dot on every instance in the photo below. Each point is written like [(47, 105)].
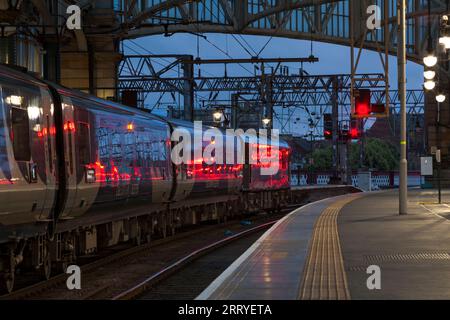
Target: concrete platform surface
[(323, 251)]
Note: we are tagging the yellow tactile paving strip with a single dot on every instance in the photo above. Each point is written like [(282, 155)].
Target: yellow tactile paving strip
[(324, 275)]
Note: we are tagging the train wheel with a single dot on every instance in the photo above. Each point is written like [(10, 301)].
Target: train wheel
[(61, 267), (51, 230), (46, 268), (7, 278), (138, 239), (7, 283)]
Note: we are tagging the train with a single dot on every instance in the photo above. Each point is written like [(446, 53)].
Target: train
[(78, 174)]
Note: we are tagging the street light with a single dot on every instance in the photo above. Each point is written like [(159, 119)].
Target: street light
[(401, 60), (266, 121), (217, 115), (430, 60), (440, 98), (429, 74), (445, 41), (429, 85)]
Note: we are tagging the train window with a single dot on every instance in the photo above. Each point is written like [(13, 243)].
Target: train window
[(49, 144), (83, 137), (20, 134), (129, 148)]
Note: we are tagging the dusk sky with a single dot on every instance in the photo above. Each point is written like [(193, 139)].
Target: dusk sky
[(333, 59)]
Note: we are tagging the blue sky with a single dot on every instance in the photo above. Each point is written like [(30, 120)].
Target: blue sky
[(333, 59)]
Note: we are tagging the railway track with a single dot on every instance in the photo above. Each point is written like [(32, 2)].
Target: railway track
[(110, 277), (187, 277)]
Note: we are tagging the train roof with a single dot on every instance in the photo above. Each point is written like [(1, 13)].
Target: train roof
[(20, 74), (25, 76)]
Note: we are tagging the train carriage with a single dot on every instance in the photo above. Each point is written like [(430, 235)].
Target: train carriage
[(78, 173)]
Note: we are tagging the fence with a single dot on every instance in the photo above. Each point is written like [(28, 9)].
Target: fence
[(379, 179)]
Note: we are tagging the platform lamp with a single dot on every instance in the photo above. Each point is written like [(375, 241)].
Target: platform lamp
[(440, 97), (444, 41), (444, 37), (266, 121), (217, 116), (429, 74), (429, 85), (430, 59)]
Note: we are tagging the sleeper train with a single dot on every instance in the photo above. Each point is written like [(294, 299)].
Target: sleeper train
[(78, 173)]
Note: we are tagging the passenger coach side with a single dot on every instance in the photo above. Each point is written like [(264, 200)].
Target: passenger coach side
[(27, 151)]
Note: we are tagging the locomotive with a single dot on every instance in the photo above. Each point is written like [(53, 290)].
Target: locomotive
[(78, 173)]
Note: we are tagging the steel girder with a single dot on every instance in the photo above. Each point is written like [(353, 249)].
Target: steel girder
[(141, 73), (146, 75), (334, 21)]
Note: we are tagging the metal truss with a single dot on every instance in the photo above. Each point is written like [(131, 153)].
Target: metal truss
[(278, 83), (140, 72), (146, 75), (334, 21), (314, 104), (415, 99)]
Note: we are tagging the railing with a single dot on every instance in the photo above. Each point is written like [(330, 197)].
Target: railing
[(380, 179)]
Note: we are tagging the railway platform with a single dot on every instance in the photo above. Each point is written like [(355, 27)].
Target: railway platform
[(354, 246)]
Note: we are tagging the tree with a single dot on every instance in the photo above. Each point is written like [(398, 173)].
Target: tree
[(379, 155), (322, 159)]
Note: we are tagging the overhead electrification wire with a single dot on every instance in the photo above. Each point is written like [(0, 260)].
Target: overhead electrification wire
[(248, 44), (159, 63), (225, 53), (237, 40), (283, 21), (163, 59), (154, 61), (207, 40)]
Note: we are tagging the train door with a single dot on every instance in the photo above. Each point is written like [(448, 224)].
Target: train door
[(14, 174), (23, 177), (69, 154), (88, 171), (185, 173), (162, 180), (236, 158), (47, 135), (122, 147), (247, 172)]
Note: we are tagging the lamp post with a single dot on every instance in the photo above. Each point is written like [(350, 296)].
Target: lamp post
[(401, 51), (438, 151)]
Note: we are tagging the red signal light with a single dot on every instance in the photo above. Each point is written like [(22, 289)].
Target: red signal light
[(328, 126), (362, 103), (354, 133)]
